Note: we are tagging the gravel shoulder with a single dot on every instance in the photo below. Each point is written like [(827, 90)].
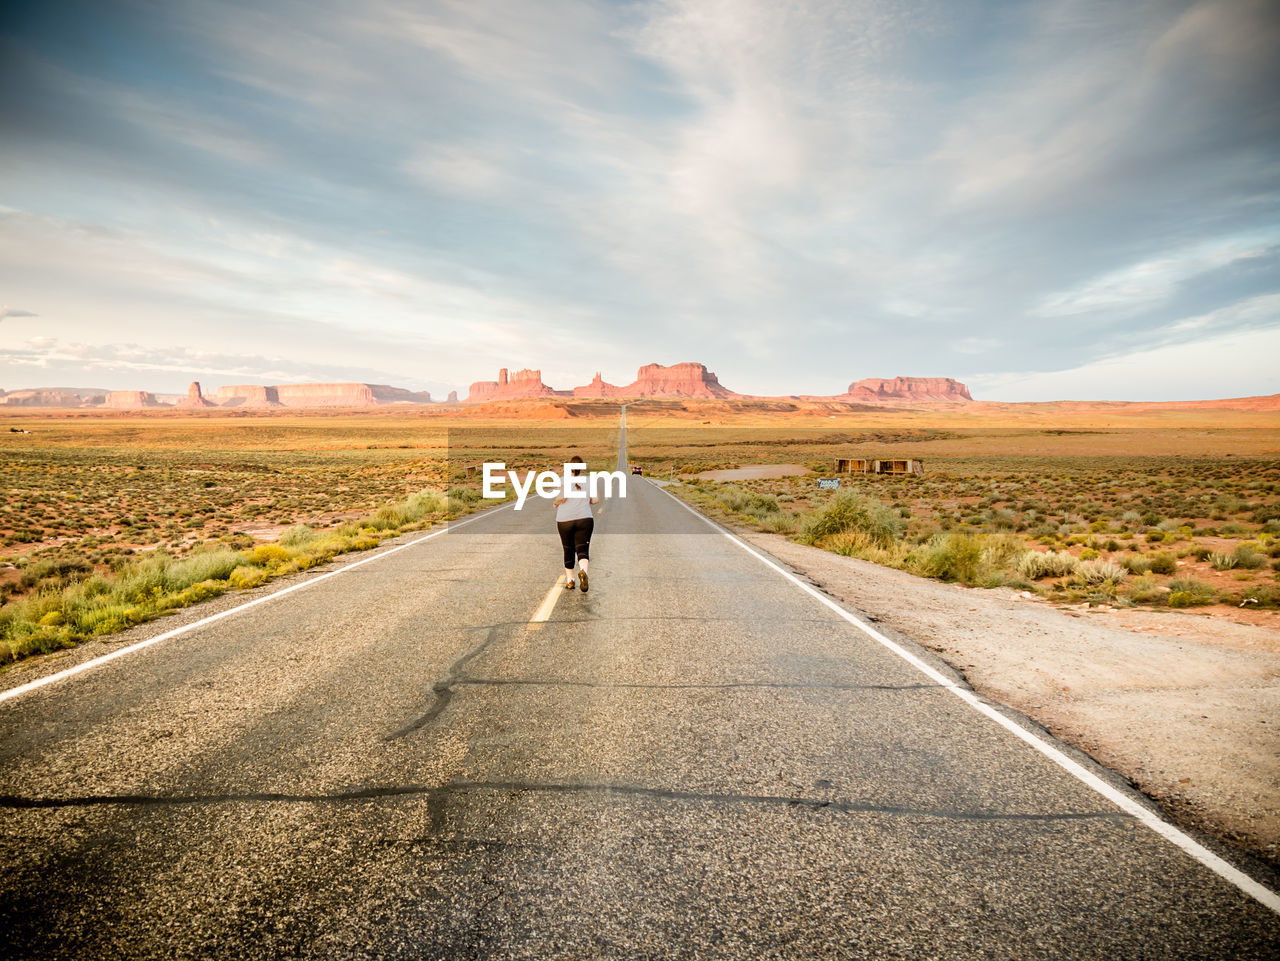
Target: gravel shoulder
[(1186, 706)]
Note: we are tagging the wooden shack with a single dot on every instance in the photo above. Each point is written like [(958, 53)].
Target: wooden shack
[(845, 465), (854, 465), (907, 466)]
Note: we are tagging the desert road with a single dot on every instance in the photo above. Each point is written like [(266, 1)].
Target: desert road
[(441, 754)]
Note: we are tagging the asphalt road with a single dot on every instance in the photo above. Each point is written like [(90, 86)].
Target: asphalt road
[(696, 759)]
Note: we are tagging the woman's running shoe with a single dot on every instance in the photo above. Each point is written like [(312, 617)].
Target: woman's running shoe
[(582, 576)]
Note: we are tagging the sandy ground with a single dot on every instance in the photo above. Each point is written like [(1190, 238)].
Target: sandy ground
[(1186, 706), (755, 472)]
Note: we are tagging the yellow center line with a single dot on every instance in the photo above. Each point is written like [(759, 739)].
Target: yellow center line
[(548, 605)]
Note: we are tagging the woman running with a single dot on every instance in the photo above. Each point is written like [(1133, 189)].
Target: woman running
[(575, 523)]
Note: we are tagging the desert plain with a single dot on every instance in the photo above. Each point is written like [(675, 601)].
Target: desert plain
[(1156, 525)]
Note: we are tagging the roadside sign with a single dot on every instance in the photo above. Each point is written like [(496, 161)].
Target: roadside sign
[(828, 483)]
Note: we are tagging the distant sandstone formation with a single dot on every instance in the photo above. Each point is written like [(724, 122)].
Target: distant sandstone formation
[(693, 380), (384, 394), (685, 380), (655, 380), (195, 398), (346, 395), (129, 400), (52, 397), (246, 395), (453, 397), (652, 380), (517, 386), (919, 389)]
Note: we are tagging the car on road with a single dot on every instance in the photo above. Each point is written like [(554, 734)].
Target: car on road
[(635, 469)]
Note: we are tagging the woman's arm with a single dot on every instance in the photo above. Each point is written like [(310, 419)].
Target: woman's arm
[(560, 501)]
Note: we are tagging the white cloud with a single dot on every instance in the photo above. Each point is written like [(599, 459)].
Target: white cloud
[(471, 169), (1253, 312), (1152, 282), (46, 352), (1236, 364), (976, 345)]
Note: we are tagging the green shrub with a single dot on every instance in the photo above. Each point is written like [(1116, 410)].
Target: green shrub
[(1146, 590), (950, 556), (1186, 592), (1163, 563), (1035, 565), (299, 535), (145, 578), (1099, 572), (58, 569), (246, 576), (1249, 557), (215, 565), (852, 511), (269, 555), (1267, 514), (1222, 561), (747, 502), (780, 523), (1002, 551), (1136, 564), (424, 503), (462, 497)]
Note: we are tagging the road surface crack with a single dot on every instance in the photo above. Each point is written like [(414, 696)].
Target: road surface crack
[(442, 691), (441, 794)]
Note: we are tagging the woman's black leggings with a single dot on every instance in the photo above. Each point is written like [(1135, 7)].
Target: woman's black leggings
[(575, 537)]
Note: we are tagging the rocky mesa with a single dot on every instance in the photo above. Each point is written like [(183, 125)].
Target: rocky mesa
[(518, 386), (54, 397), (652, 380), (687, 380), (129, 400), (920, 390), (693, 380)]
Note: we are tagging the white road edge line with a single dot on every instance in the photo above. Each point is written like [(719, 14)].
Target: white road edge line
[(40, 682), (1166, 830)]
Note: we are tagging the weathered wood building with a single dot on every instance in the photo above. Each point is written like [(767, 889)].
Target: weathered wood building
[(854, 465)]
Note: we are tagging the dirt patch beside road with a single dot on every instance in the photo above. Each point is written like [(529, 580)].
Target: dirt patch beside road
[(1186, 706)]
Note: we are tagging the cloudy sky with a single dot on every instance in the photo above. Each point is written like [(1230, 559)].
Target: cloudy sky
[(1052, 199)]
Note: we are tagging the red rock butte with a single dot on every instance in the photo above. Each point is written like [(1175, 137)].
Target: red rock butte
[(678, 381), (652, 380), (919, 389), (129, 400), (693, 380), (195, 397), (313, 395), (518, 386)]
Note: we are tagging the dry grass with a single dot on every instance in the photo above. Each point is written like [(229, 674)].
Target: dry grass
[(93, 500)]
